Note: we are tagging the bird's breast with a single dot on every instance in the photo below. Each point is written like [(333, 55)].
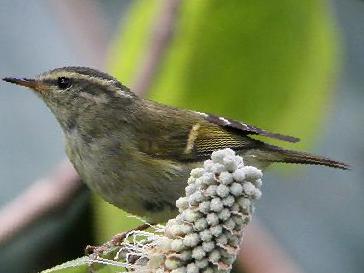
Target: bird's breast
[(127, 178)]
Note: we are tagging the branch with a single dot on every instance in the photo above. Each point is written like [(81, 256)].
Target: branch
[(42, 197), (160, 40)]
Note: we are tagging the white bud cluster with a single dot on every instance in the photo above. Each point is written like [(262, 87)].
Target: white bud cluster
[(205, 236)]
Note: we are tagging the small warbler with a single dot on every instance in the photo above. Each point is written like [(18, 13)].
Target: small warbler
[(136, 153)]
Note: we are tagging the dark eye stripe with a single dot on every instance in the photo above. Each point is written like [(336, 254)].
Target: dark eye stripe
[(51, 81)]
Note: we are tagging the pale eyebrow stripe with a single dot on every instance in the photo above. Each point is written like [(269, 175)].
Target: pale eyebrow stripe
[(100, 81)]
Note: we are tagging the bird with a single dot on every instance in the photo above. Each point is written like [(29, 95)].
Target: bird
[(137, 153)]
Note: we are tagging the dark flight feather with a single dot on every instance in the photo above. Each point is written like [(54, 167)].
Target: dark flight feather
[(246, 128)]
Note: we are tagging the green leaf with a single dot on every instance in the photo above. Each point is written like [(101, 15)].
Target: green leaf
[(79, 265), (82, 265)]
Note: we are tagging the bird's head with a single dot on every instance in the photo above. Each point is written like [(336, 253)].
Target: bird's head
[(78, 92)]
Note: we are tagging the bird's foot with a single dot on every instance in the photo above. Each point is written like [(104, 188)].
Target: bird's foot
[(114, 242)]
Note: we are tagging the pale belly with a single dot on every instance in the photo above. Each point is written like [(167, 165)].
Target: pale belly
[(137, 184)]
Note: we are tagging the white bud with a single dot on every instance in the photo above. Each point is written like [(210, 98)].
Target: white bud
[(185, 255), (247, 218), (191, 180), (241, 220), (228, 201), (172, 229), (190, 215), (229, 152), (212, 219), (218, 156), (239, 160), (229, 259), (208, 246), (172, 222), (229, 224), (200, 224), (225, 178), (192, 268), (216, 230), (191, 240), (216, 204), (230, 163), (245, 204), (205, 235), (211, 190), (190, 189), (204, 207), (195, 198), (177, 245), (217, 168), (164, 243), (222, 240), (198, 253), (252, 173), (235, 207), (257, 194), (234, 240), (239, 175), (197, 172), (208, 178), (249, 188), (182, 203), (258, 183), (185, 229), (222, 191), (224, 214), (199, 182), (214, 256), (208, 165), (236, 189), (202, 263), (172, 263)]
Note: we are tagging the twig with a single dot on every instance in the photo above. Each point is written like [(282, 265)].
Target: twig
[(42, 197), (162, 34)]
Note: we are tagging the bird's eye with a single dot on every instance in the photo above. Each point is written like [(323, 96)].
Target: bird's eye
[(63, 82)]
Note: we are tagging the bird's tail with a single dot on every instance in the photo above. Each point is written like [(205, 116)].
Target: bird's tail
[(272, 154)]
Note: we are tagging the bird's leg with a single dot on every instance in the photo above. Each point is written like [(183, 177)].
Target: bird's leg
[(119, 238), (115, 241)]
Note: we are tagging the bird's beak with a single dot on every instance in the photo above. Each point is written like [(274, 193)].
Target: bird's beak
[(23, 82), (30, 83)]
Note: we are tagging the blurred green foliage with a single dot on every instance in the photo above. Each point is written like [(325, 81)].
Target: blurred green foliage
[(268, 63)]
